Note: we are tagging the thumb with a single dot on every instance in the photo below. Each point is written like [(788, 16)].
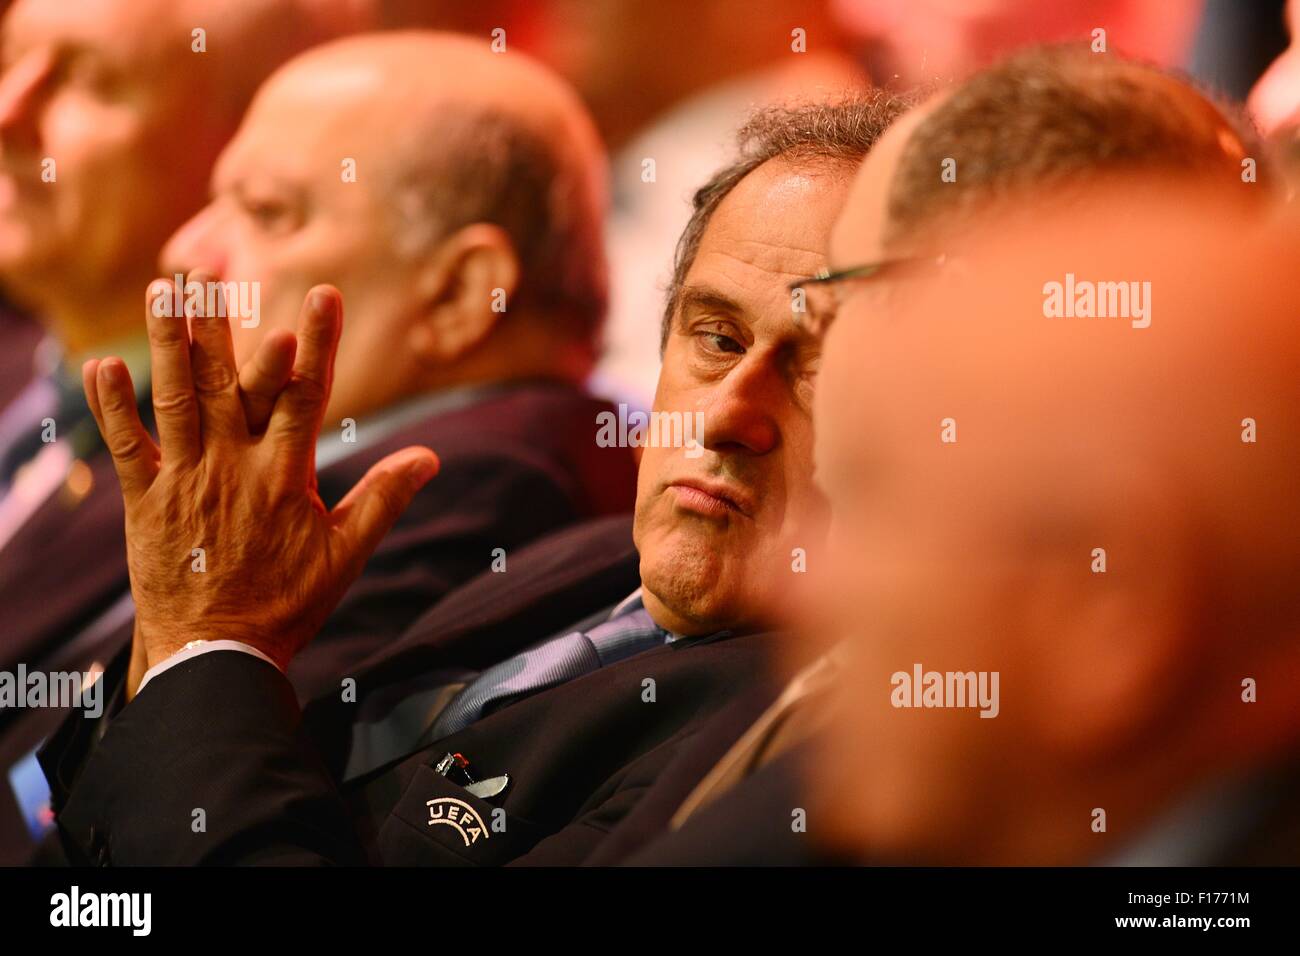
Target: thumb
[(370, 509)]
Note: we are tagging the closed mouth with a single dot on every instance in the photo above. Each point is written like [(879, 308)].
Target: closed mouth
[(711, 497)]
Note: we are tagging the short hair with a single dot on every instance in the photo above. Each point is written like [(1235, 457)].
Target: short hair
[(840, 131), (1052, 116), (468, 164)]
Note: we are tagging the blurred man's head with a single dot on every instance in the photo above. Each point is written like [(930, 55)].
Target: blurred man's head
[(1111, 533), (111, 112), (453, 195), (716, 531), (976, 452), (1048, 120)]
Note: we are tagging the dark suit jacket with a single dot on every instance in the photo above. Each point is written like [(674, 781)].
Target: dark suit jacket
[(516, 465), (19, 336), (222, 732), (752, 824), (654, 812)]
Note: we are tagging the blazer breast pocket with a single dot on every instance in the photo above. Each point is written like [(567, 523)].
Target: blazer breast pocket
[(439, 823)]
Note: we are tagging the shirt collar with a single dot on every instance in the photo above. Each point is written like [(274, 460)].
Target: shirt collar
[(634, 602)]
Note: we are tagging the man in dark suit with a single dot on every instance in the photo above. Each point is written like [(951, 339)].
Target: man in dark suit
[(441, 751), (493, 290), (1188, 766), (1080, 116)]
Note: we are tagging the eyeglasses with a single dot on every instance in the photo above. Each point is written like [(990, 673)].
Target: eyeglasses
[(815, 299)]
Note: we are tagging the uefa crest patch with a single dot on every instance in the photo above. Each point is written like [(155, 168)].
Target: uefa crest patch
[(464, 819)]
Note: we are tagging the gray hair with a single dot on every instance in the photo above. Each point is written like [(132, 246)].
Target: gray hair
[(1051, 117), (468, 165), (835, 132)]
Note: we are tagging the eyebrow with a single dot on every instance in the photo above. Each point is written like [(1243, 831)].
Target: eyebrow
[(705, 298), (239, 181)]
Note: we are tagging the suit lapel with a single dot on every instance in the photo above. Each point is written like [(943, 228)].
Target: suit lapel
[(547, 586)]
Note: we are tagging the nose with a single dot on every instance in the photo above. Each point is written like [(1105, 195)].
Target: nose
[(196, 245), (744, 409), (21, 89)]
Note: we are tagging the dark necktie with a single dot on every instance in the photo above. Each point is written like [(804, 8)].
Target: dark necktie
[(425, 716), (554, 662)]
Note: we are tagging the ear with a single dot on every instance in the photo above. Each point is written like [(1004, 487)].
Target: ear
[(466, 288)]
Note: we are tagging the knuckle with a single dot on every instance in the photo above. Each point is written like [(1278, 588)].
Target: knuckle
[(126, 446), (213, 377), (114, 402), (308, 391), (175, 402)]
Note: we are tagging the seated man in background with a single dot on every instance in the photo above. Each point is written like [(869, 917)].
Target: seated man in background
[(532, 758), (92, 182), (1055, 118), (469, 245), (455, 198)]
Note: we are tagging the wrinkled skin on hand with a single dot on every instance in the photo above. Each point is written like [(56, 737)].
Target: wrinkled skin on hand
[(233, 473)]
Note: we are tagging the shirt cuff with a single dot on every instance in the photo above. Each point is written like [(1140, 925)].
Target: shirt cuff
[(194, 650)]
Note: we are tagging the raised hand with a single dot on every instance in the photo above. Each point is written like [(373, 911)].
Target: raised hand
[(226, 536)]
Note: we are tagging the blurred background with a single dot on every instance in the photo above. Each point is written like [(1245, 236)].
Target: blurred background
[(668, 80)]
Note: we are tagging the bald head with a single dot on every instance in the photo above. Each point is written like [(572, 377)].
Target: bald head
[(420, 73), (450, 133), (454, 195)]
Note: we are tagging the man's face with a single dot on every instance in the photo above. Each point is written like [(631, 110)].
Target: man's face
[(970, 472), (288, 212), (913, 572), (716, 531), (104, 99)]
